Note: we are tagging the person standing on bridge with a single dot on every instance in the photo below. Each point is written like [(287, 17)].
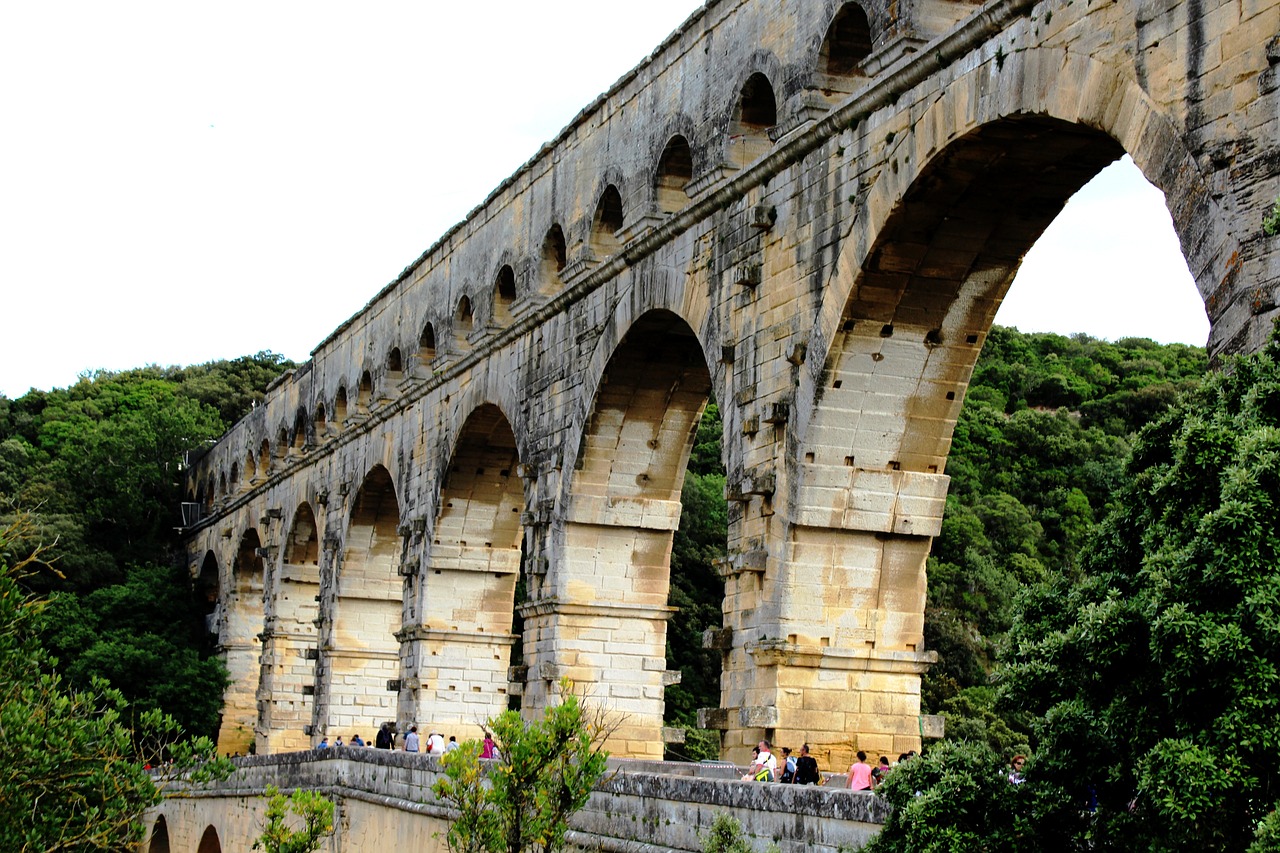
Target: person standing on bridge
[(860, 774), (411, 740), (384, 739), (806, 768)]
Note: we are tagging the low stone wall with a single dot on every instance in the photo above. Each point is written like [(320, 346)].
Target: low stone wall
[(385, 798)]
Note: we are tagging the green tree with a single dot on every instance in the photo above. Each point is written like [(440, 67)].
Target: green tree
[(313, 810), (546, 772), (1156, 676), (957, 796), (74, 776)]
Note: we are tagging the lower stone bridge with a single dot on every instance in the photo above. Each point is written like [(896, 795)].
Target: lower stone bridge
[(384, 802)]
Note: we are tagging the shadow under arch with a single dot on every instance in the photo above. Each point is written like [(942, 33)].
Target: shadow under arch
[(468, 628), (609, 572), (209, 842), (289, 654), (362, 653), (159, 837)]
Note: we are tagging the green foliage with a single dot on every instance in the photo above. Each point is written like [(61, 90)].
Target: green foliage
[(957, 796), (1037, 455), (312, 809), (546, 773), (102, 461), (74, 774), (1154, 676), (725, 836), (696, 589), (1271, 222)]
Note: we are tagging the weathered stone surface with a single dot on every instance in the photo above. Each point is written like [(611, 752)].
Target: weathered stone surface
[(384, 801), (818, 239)]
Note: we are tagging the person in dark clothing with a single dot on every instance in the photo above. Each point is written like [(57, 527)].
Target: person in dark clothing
[(384, 739), (806, 768)]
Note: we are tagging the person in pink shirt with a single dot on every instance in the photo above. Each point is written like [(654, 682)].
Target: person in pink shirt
[(860, 773)]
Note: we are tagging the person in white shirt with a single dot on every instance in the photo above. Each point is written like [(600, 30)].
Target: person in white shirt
[(763, 762), (411, 740), (435, 743)]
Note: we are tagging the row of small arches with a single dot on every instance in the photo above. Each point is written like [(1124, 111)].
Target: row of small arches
[(847, 43)]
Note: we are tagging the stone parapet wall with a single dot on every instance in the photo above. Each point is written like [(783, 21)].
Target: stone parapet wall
[(385, 802)]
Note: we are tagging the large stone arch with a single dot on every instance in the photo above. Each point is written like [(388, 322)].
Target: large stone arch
[(361, 653), (240, 642), (292, 637), (601, 617), (462, 643), (969, 182), (1035, 83)]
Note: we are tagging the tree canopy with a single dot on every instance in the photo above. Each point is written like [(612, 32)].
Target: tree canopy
[(100, 464)]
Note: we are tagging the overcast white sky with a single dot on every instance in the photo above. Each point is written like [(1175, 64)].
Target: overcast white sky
[(181, 182)]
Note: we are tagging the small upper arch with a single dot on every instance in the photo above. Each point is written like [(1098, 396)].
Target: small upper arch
[(504, 294), (395, 365), (464, 320), (555, 253), (364, 398), (427, 344), (673, 174), (845, 47), (606, 223), (340, 407), (754, 115)]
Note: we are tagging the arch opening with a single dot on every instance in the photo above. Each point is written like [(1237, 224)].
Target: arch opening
[(504, 295), (606, 224), (675, 171), (321, 422), (922, 303), (555, 255), (300, 442), (476, 553), (847, 44), (264, 458), (363, 655), (463, 320), (395, 366), (626, 509), (159, 842), (340, 408), (427, 345), (209, 842), (756, 113), (364, 394)]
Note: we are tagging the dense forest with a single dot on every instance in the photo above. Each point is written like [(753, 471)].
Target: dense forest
[(1037, 458), (97, 466), (1103, 595)]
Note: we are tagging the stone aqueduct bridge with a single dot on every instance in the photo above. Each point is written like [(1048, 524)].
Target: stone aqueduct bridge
[(807, 209)]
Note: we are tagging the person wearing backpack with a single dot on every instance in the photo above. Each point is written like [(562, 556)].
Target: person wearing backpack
[(788, 766)]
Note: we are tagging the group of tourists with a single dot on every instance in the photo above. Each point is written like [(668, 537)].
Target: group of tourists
[(798, 770), (803, 769), (412, 742)]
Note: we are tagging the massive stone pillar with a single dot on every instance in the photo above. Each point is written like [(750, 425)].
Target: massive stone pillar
[(460, 651), (291, 640), (241, 646), (360, 653)]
